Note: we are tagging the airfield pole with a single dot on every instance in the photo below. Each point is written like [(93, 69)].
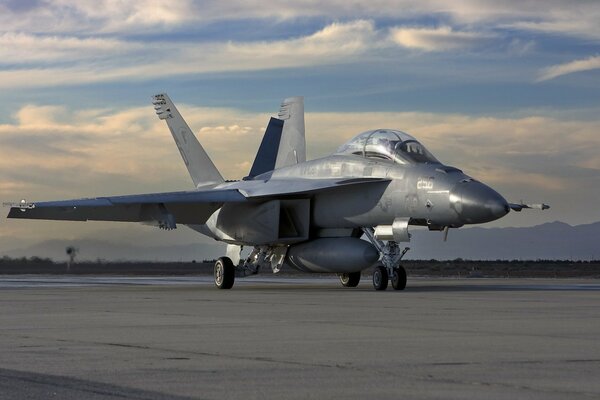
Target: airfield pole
[(71, 252)]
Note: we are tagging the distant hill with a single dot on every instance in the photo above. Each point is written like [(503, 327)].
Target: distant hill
[(550, 241), (90, 249), (555, 240)]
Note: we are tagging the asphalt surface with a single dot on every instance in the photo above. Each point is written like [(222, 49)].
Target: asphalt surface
[(179, 338)]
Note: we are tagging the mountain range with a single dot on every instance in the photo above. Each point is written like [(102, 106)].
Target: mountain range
[(549, 241)]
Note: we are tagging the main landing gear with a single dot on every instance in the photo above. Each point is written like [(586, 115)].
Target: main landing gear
[(350, 279), (381, 277), (398, 278), (224, 273), (389, 269)]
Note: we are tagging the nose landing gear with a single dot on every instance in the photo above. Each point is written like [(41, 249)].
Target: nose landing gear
[(390, 269)]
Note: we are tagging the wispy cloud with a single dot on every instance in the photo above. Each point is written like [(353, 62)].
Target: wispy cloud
[(555, 71), (56, 152), (581, 17), (443, 38), (95, 16), (101, 150), (59, 61), (20, 48), (68, 42), (335, 43)]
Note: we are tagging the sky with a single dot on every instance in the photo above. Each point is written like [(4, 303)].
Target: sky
[(506, 90)]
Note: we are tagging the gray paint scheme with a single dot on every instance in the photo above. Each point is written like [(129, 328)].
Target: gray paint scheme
[(292, 148), (201, 168), (381, 179), (266, 157)]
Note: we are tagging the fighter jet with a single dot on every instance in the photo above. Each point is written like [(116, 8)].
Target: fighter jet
[(338, 214)]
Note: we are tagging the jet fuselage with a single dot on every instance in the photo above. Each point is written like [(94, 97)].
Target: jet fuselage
[(432, 195)]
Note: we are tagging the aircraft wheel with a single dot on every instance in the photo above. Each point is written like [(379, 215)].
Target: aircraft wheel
[(350, 280), (380, 278), (224, 273), (399, 278)]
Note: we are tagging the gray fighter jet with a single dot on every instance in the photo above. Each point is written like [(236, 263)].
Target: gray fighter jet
[(308, 215)]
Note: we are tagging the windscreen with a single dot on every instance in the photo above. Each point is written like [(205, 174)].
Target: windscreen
[(387, 144), (415, 152)]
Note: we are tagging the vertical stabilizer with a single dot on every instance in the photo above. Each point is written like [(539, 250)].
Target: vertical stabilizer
[(292, 146), (199, 165), (267, 152)]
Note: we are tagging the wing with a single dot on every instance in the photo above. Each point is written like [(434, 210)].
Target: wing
[(163, 209), (168, 209), (304, 187)]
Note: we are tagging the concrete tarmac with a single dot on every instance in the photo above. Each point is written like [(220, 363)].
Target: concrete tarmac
[(180, 338)]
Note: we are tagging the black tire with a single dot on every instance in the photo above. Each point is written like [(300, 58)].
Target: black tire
[(224, 273), (350, 280), (380, 278), (399, 278)]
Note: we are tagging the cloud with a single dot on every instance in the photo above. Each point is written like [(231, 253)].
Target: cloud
[(443, 38), (580, 18), (555, 71), (72, 43), (578, 22), (94, 152), (335, 43), (55, 152), (57, 61), (19, 48), (95, 16)]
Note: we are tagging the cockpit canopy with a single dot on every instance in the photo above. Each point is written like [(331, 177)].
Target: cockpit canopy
[(388, 144)]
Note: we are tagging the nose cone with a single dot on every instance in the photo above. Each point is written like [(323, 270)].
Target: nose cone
[(476, 203)]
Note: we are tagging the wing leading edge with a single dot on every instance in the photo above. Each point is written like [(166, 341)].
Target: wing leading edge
[(164, 209), (167, 209)]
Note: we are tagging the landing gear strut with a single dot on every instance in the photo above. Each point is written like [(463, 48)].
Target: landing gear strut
[(224, 273), (390, 258)]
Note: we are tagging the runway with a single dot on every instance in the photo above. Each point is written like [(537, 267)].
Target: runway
[(274, 337)]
